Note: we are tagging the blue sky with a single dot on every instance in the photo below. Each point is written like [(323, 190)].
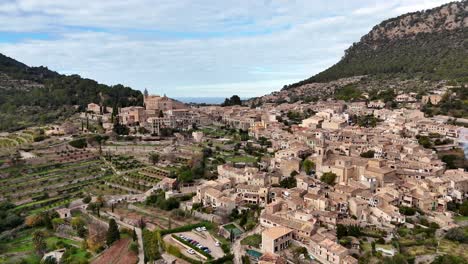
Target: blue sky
[(191, 48)]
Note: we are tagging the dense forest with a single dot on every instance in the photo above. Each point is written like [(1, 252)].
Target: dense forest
[(36, 95), (416, 45)]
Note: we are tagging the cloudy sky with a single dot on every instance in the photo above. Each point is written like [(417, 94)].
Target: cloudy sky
[(193, 48)]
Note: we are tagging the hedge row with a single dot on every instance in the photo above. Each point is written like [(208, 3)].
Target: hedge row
[(173, 250), (186, 228), (226, 259)]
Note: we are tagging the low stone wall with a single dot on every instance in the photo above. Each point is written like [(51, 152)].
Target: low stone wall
[(209, 217)]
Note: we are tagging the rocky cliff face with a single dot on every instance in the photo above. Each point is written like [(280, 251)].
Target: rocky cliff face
[(448, 17), (430, 44)]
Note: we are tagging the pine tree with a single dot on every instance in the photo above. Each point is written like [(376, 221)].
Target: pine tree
[(134, 235), (113, 233)]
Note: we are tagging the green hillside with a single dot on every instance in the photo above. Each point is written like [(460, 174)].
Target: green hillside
[(431, 45), (37, 95)]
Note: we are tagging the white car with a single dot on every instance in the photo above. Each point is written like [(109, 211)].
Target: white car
[(190, 251), (203, 228), (217, 244)]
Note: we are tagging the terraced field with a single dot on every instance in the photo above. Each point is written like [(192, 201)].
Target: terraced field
[(124, 163), (134, 182), (17, 139), (36, 188)]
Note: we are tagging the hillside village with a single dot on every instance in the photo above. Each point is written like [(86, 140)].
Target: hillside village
[(363, 163), (330, 181)]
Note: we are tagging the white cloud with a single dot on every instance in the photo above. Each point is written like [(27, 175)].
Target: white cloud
[(190, 48)]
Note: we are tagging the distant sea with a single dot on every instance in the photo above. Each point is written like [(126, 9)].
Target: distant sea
[(201, 100)]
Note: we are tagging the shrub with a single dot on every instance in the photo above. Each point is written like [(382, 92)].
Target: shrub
[(186, 228), (328, 178), (78, 143), (464, 208), (459, 234), (226, 259), (409, 211), (133, 247), (254, 240), (176, 252), (368, 154), (449, 259)]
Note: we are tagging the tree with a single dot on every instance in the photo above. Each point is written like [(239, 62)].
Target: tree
[(328, 178), (153, 157), (47, 217), (425, 141), (449, 259), (234, 100), (120, 129), (8, 217), (341, 231), (113, 233), (459, 234), (79, 143), (49, 260), (100, 201), (39, 242), (464, 208), (87, 199), (99, 140), (79, 225), (289, 182), (368, 154), (408, 211), (308, 166)]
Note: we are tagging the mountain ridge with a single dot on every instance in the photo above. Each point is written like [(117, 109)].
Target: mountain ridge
[(430, 44), (36, 95)]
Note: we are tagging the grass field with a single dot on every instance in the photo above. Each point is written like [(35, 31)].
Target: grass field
[(461, 218), (254, 240), (454, 248), (21, 247), (245, 159)]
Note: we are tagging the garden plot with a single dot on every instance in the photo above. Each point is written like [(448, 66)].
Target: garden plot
[(15, 140), (125, 163), (134, 181)]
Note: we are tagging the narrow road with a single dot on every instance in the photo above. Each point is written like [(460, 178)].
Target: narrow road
[(141, 253)]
